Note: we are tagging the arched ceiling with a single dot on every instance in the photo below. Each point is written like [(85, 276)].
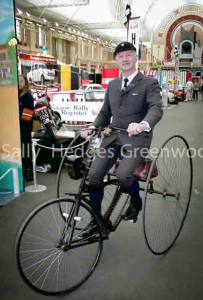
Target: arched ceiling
[(103, 18)]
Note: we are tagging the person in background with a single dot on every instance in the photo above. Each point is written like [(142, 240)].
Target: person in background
[(196, 87), (189, 90), (201, 90), (26, 111)]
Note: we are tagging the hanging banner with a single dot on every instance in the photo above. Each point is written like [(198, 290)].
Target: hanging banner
[(134, 33), (108, 75), (38, 58)]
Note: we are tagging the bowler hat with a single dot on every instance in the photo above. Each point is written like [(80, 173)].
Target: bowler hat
[(124, 46)]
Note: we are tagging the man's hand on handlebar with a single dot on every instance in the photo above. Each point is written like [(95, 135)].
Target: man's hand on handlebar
[(86, 132), (135, 128)]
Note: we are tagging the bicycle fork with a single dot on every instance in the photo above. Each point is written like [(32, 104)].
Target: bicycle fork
[(71, 220)]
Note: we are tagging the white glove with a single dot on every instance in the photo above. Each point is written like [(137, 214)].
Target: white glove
[(135, 128)]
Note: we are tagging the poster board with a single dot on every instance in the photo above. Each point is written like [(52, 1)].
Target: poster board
[(10, 153), (82, 107)]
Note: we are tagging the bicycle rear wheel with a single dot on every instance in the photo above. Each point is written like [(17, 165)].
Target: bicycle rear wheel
[(167, 196), (51, 254)]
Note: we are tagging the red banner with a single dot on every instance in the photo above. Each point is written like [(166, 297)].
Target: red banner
[(36, 58), (85, 81), (108, 75)]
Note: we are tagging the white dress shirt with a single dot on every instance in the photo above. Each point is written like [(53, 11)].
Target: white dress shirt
[(130, 78)]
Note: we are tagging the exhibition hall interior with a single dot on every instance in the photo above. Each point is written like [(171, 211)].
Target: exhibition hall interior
[(101, 150)]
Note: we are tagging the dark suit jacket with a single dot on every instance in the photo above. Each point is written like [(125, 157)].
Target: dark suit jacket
[(141, 101)]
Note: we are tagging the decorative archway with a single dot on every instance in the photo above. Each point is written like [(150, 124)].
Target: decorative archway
[(191, 18)]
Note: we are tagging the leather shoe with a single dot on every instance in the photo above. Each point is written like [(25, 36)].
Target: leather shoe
[(131, 213)]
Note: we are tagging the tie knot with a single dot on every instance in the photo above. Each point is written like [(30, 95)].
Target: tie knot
[(125, 83)]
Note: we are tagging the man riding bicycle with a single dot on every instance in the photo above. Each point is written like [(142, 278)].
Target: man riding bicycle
[(132, 102)]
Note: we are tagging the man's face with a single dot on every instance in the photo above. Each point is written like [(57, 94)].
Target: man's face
[(126, 60)]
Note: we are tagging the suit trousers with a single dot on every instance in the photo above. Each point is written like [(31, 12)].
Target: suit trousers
[(106, 157), (189, 95), (196, 93)]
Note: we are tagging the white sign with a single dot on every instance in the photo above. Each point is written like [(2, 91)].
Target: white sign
[(107, 80), (169, 63), (60, 98), (134, 32), (77, 111)]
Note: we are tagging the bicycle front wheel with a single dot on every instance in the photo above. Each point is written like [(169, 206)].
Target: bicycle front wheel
[(52, 255), (167, 196)]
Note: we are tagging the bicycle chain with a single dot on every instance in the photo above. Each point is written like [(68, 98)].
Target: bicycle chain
[(120, 214)]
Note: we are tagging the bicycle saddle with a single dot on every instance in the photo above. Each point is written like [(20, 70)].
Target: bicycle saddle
[(142, 171)]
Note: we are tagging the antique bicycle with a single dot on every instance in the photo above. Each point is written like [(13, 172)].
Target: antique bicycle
[(52, 254)]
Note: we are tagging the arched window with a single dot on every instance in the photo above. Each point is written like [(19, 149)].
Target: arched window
[(186, 48)]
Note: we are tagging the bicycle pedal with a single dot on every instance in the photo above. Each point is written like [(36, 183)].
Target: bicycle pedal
[(132, 221)]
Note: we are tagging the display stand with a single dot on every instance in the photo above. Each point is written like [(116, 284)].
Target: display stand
[(35, 188)]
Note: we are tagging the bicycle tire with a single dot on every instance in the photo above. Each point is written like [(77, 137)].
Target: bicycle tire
[(42, 259), (165, 213)]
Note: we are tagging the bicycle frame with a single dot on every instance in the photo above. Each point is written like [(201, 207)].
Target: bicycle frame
[(84, 191), (84, 187)]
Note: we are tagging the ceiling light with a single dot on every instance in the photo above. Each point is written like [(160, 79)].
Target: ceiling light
[(69, 29), (86, 35), (29, 22), (78, 31), (27, 14), (98, 39), (66, 33), (44, 20), (19, 11), (13, 42), (57, 25), (60, 31), (83, 33), (74, 30), (52, 29)]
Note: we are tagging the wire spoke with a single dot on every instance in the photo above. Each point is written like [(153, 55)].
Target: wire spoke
[(163, 214)]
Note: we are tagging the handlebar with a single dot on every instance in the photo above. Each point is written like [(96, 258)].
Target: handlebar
[(100, 128), (43, 86), (103, 130)]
